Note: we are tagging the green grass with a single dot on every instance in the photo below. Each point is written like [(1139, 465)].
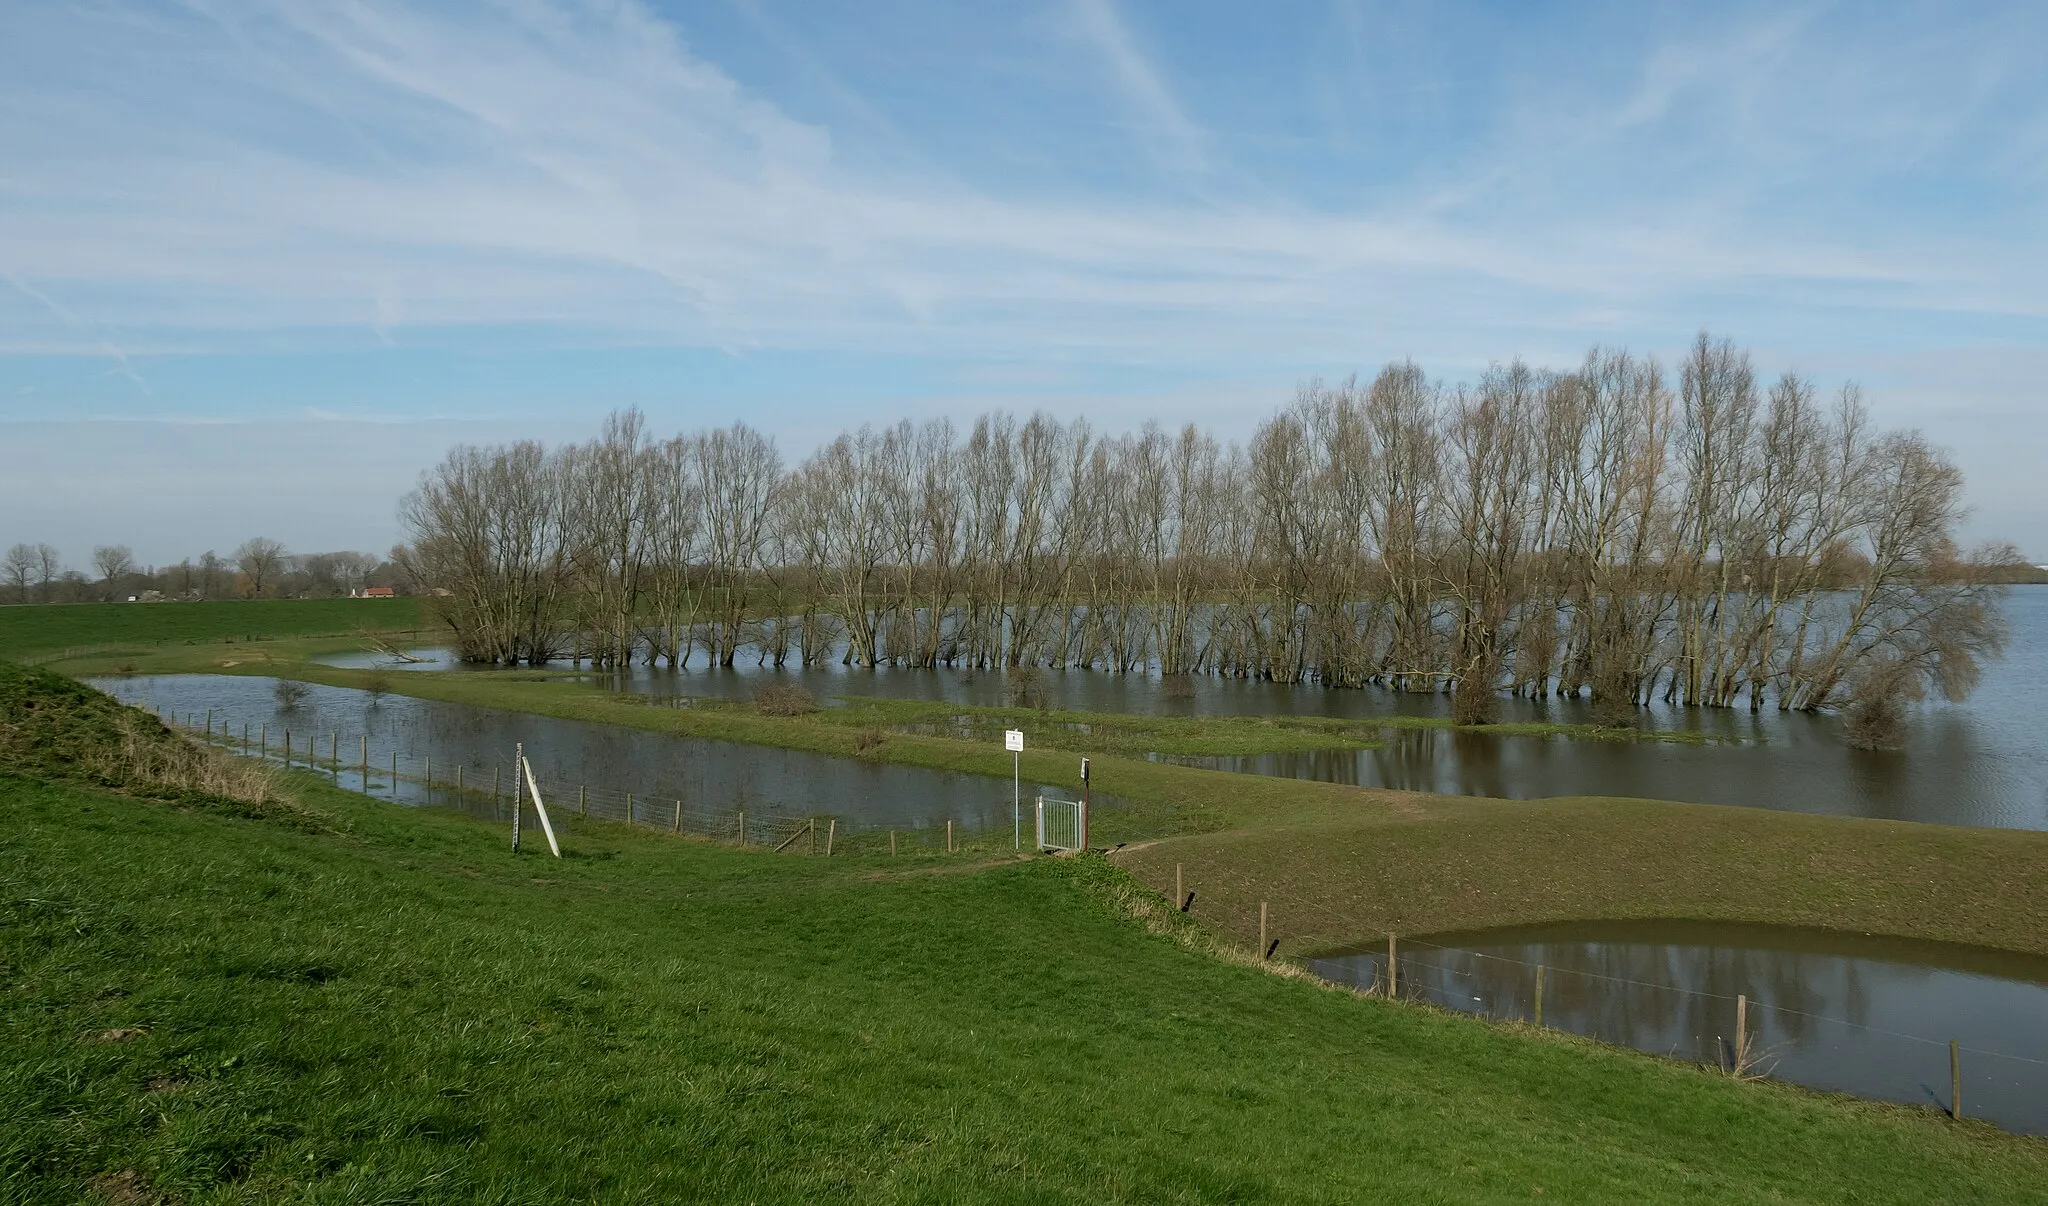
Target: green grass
[(230, 1010), (1442, 864), (116, 630)]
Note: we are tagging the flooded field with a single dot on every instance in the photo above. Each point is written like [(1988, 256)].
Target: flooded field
[(1980, 763)]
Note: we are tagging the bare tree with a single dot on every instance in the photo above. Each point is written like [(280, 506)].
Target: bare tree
[(212, 574), (49, 563), (259, 559), (1593, 533), (20, 567), (114, 562)]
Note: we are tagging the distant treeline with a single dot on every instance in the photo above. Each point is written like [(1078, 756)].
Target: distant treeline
[(260, 568), (1610, 531)]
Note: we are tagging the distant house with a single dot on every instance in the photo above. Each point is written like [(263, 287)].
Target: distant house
[(373, 592)]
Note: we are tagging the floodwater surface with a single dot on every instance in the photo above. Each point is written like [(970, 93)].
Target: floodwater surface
[(1981, 763), (704, 775), (1840, 1012)]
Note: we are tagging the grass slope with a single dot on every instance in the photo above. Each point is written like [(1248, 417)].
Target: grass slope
[(44, 629), (218, 1009)]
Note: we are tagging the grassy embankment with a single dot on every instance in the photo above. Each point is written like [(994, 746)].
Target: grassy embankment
[(384, 1004), (1341, 867), (111, 634)]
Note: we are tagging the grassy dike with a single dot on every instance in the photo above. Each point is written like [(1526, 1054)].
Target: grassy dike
[(1344, 866), (202, 1007), (107, 633)]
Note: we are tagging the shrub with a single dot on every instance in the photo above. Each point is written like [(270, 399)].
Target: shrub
[(376, 683), (1025, 690), (869, 741), (784, 699), (290, 694), (1876, 718)]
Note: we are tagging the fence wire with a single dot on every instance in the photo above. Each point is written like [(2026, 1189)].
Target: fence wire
[(493, 793)]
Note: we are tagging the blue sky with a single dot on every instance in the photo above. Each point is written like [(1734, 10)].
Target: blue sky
[(262, 260)]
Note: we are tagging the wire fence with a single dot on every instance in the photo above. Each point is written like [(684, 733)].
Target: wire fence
[(493, 791)]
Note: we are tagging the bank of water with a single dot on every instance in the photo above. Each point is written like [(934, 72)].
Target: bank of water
[(1846, 1013), (700, 776)]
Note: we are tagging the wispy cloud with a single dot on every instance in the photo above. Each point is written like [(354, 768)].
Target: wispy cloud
[(264, 166), (99, 345), (1156, 114)]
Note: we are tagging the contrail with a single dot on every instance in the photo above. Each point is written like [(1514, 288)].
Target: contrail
[(106, 346)]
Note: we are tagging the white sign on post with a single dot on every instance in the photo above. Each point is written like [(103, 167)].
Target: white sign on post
[(1013, 741)]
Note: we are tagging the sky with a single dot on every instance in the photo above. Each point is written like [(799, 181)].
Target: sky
[(263, 261)]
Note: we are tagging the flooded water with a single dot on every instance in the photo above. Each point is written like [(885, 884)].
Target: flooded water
[(1857, 1015), (1980, 763), (702, 776)]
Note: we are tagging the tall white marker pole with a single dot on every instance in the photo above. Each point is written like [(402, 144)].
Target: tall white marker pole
[(540, 809), (1013, 741)]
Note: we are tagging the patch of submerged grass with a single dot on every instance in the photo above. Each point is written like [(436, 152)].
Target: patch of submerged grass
[(414, 1014)]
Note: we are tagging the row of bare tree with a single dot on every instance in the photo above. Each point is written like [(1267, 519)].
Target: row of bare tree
[(1714, 541), (259, 568)]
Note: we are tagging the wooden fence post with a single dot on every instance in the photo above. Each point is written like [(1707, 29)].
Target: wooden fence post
[(458, 776), (209, 724), (366, 760), (263, 735), (831, 831), (1178, 895), (1539, 996), (394, 777), (743, 826), (1393, 979), (949, 837), (1741, 1031), (1955, 1080), (583, 799), (334, 750), (678, 828), (1262, 929), (629, 808), (892, 841), (287, 748)]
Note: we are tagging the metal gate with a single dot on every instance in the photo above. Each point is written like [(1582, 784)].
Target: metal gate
[(1062, 824)]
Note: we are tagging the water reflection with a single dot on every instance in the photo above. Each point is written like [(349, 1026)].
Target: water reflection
[(1869, 1016), (703, 775), (1982, 763)]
